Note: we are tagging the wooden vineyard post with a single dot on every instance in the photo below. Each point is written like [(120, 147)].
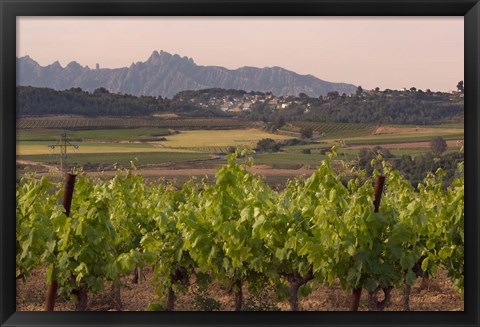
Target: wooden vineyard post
[(355, 300), (378, 192), (66, 202), (357, 292), (51, 295), (68, 192)]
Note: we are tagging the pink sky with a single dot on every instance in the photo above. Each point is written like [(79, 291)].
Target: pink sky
[(388, 52)]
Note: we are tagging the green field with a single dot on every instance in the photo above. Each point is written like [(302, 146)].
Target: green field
[(407, 134), (185, 141), (353, 134), (186, 146), (41, 147), (131, 135), (122, 160), (152, 146), (392, 139), (332, 130)]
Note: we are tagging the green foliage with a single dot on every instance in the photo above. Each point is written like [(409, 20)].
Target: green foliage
[(332, 130), (306, 133), (218, 226), (38, 101), (85, 248), (204, 302), (359, 91), (205, 95), (37, 216), (395, 107), (267, 145), (238, 230), (420, 108), (460, 87), (445, 209), (438, 145), (414, 169), (46, 101)]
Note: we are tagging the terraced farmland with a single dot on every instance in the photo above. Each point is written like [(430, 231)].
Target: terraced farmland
[(332, 130), (73, 123), (101, 135), (99, 147), (208, 149), (120, 160), (184, 147), (217, 139)]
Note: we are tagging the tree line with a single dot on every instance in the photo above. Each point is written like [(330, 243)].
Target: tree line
[(389, 107), (412, 168), (394, 107), (407, 108), (415, 168), (75, 101)]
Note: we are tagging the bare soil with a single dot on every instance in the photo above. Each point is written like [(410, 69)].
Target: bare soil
[(176, 170), (24, 163), (439, 295), (52, 117), (451, 144), (166, 116), (385, 130)]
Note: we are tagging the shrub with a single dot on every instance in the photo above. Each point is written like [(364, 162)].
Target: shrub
[(267, 145)]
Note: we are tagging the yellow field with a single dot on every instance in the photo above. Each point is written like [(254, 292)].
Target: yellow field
[(175, 143), (31, 149), (209, 138)]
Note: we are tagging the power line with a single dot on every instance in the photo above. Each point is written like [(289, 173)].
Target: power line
[(63, 144)]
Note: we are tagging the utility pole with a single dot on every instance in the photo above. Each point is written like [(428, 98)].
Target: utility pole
[(63, 143)]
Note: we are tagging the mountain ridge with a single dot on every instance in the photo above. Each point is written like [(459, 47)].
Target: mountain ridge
[(164, 74)]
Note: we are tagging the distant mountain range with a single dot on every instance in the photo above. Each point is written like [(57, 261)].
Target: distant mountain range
[(165, 75)]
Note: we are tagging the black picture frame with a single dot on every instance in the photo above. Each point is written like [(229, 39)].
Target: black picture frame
[(10, 9)]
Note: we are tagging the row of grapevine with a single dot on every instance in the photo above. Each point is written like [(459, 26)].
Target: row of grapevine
[(212, 149), (241, 233), (85, 123), (335, 129)]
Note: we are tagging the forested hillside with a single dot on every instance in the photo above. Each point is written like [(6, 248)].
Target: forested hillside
[(75, 101), (385, 107), (397, 107)]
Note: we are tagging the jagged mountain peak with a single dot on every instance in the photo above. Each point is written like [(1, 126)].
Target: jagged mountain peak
[(155, 54), (74, 65), (27, 59), (158, 58), (165, 74), (55, 65)]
